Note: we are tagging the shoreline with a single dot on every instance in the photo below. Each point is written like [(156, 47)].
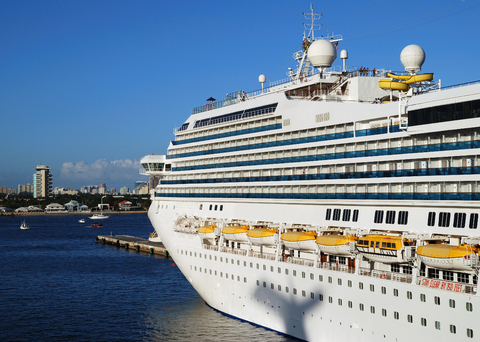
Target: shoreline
[(71, 213)]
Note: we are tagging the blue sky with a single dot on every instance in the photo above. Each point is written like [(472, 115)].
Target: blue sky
[(90, 87)]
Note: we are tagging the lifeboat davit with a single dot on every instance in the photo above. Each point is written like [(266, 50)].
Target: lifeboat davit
[(235, 232), (447, 257), (207, 232), (384, 248), (336, 244), (299, 240), (262, 236)]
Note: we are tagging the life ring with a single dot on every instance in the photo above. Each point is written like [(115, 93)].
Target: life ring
[(383, 276)]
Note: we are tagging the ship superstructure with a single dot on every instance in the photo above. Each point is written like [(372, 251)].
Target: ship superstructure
[(332, 205)]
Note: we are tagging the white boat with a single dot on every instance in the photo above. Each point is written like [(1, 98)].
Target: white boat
[(81, 221), (24, 225), (98, 217), (379, 156)]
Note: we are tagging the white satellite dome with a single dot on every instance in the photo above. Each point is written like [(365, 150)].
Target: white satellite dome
[(321, 54), (412, 58)]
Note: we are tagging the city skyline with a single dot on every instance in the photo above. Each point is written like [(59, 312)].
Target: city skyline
[(89, 87)]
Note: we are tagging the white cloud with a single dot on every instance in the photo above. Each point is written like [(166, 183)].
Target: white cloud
[(101, 171)]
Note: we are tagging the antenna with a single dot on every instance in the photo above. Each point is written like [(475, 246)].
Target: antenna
[(312, 26)]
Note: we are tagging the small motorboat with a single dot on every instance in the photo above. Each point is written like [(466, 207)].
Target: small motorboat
[(96, 225), (81, 220), (24, 225)]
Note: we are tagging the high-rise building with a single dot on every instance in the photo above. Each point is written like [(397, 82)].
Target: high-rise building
[(42, 182), (28, 188)]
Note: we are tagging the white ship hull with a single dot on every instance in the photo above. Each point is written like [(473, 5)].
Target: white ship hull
[(298, 314)]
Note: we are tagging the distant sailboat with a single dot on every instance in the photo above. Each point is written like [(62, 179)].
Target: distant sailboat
[(24, 225)]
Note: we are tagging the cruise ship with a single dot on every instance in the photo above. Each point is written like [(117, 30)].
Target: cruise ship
[(338, 204)]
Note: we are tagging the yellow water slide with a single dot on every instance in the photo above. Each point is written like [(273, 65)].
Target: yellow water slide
[(402, 82)]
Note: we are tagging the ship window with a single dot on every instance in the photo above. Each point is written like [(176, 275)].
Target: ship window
[(215, 273), (437, 300), (451, 303), (258, 266), (221, 207), (294, 291), (340, 302), (437, 325), (384, 312), (459, 220), (264, 267), (312, 276), (271, 268), (251, 265), (244, 279), (361, 307), (384, 290), (350, 304), (431, 219), (453, 329), (448, 275), (286, 271), (470, 333), (409, 318), (377, 244), (238, 262), (394, 245), (336, 214), (312, 295), (462, 277), (372, 288), (320, 277), (355, 215), (294, 273), (423, 321), (221, 274), (433, 273), (330, 280), (473, 221), (279, 270), (444, 219), (372, 244), (378, 216), (201, 206), (279, 288), (264, 284), (272, 286), (395, 292), (287, 289), (328, 214), (304, 294), (303, 274), (342, 260), (409, 295), (469, 306), (407, 269), (210, 207), (346, 215), (396, 315), (360, 286), (423, 298), (216, 207), (330, 299), (349, 283), (403, 217), (390, 217), (258, 282), (372, 309), (320, 297)]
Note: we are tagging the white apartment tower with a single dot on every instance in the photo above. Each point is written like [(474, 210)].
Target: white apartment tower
[(42, 182)]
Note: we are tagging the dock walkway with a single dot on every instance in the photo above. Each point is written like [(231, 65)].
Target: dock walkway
[(135, 243)]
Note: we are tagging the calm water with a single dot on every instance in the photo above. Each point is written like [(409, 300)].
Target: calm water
[(57, 284)]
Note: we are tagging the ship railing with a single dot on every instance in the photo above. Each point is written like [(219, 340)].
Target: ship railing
[(186, 230), (301, 261), (400, 277), (268, 256), (210, 247), (335, 267)]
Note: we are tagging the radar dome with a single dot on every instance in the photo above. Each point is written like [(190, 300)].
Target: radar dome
[(321, 54), (412, 58), (262, 78)]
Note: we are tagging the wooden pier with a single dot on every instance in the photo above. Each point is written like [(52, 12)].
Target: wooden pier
[(135, 243)]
